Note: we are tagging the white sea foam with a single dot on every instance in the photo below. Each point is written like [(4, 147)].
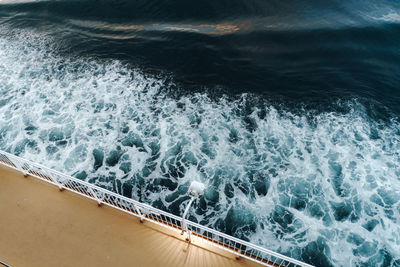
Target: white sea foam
[(391, 17), (279, 179)]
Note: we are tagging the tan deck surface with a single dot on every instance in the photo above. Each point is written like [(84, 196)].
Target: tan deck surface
[(41, 226)]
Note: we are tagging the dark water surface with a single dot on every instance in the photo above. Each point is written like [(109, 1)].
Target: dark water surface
[(286, 110)]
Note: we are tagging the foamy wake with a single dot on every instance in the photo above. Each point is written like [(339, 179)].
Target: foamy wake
[(324, 190)]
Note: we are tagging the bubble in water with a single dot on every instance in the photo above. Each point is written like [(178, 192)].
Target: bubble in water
[(322, 188)]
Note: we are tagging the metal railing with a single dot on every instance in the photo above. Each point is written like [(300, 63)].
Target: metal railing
[(4, 264), (194, 231)]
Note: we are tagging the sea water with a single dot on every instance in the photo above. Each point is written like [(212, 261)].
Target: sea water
[(299, 149)]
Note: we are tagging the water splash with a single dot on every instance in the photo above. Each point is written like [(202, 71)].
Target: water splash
[(321, 188)]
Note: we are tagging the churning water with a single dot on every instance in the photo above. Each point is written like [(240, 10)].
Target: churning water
[(288, 115)]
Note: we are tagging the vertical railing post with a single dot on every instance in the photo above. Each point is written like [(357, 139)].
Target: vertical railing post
[(184, 226), (189, 238), (139, 213), (99, 201), (195, 190), (59, 184), (20, 166)]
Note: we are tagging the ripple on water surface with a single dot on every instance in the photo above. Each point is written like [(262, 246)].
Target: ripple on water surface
[(322, 188)]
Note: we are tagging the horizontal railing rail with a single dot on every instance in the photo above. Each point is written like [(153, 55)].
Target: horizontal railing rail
[(146, 212), (4, 264)]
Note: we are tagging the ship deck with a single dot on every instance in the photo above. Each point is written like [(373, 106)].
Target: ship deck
[(41, 226)]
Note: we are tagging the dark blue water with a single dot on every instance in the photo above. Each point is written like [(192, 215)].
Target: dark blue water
[(287, 111)]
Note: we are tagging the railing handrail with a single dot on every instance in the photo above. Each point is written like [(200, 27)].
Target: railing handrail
[(68, 182), (4, 264)]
